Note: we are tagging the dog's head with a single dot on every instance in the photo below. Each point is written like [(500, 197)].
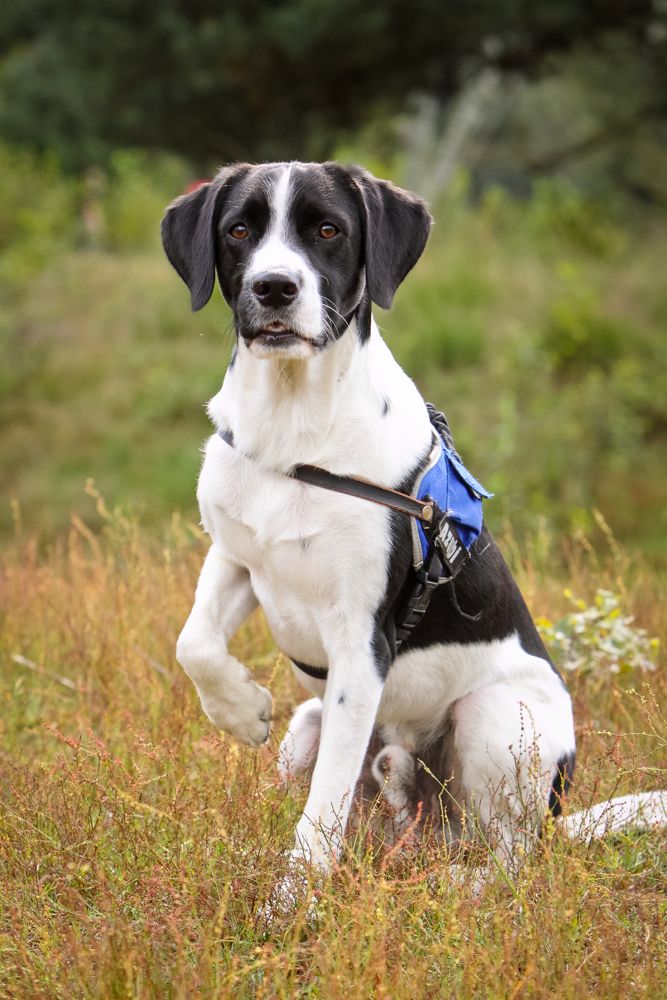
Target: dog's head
[(299, 249)]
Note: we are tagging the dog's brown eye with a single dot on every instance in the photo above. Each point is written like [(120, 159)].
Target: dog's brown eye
[(239, 231), (327, 231)]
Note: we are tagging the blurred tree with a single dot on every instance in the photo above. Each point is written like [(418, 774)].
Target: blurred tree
[(269, 78)]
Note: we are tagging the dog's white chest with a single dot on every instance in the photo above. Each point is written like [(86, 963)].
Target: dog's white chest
[(311, 555)]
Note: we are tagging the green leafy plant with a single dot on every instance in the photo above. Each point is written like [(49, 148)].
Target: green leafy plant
[(599, 636)]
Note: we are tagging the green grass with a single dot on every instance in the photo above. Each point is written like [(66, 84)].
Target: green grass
[(138, 845)]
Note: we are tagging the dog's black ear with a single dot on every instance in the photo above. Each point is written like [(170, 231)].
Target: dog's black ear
[(397, 224), (189, 234)]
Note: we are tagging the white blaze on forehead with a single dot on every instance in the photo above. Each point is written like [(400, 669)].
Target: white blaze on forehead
[(275, 254), (279, 203)]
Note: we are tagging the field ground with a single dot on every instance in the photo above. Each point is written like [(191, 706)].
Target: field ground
[(137, 844)]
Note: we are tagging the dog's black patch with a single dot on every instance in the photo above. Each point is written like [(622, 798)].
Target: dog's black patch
[(484, 590), (484, 587), (561, 783), (386, 406)]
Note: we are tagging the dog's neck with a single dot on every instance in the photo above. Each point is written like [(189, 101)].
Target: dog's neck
[(288, 411), (350, 409)]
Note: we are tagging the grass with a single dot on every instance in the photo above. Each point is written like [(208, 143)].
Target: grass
[(137, 844)]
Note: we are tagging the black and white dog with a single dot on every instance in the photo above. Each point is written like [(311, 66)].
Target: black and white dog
[(301, 252)]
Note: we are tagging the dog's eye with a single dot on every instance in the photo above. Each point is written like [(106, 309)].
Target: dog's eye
[(327, 231), (239, 231)]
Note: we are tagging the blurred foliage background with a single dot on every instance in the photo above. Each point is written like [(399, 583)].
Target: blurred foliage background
[(536, 318)]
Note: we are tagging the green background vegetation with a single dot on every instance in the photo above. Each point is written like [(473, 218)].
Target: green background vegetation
[(538, 325), (536, 318)]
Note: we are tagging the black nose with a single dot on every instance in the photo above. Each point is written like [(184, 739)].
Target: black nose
[(275, 289)]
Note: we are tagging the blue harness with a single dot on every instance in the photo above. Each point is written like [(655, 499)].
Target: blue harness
[(458, 495)]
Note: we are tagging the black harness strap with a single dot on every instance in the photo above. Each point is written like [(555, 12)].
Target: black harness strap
[(319, 673), (361, 488)]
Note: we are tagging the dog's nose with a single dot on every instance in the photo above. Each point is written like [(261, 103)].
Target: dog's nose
[(275, 289)]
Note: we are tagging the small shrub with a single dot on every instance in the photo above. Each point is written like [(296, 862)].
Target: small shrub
[(599, 637)]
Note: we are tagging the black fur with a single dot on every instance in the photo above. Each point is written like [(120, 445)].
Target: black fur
[(189, 233), (561, 783), (396, 227), (399, 572), (484, 587)]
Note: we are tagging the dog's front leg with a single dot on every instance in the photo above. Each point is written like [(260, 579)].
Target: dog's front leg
[(351, 700), (223, 600)]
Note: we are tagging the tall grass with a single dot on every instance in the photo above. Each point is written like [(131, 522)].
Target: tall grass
[(138, 845)]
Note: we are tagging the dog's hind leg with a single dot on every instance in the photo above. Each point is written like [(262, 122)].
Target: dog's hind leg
[(299, 745), (394, 769), (223, 600), (511, 738)]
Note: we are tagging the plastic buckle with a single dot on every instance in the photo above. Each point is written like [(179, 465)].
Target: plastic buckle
[(446, 541)]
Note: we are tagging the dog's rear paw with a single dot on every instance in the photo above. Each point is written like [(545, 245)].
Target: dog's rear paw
[(247, 718), (298, 749)]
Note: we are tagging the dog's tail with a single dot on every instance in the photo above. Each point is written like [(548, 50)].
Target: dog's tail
[(643, 811)]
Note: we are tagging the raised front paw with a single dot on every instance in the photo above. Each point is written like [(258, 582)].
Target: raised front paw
[(246, 717)]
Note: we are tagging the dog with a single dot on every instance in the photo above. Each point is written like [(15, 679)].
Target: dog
[(302, 252)]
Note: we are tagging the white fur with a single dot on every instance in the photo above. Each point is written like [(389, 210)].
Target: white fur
[(299, 745), (275, 255), (300, 550), (423, 685), (644, 811), (394, 770), (316, 562)]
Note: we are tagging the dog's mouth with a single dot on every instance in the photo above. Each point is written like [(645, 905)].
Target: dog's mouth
[(275, 334), (277, 331)]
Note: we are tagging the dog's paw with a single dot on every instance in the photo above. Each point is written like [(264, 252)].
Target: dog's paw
[(298, 886), (247, 718)]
